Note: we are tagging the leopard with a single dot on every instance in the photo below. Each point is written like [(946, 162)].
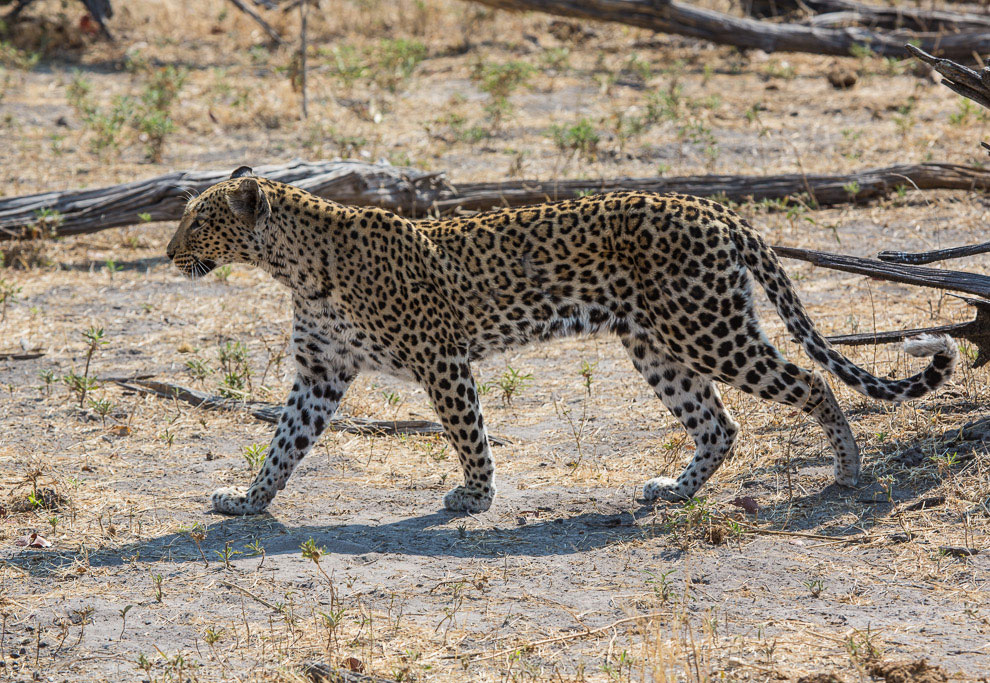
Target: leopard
[(670, 275)]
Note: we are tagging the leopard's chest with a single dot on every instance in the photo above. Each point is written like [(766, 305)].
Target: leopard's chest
[(329, 332)]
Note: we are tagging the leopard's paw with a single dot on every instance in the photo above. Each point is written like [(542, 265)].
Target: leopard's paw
[(463, 499), (234, 500), (664, 487), (846, 474)]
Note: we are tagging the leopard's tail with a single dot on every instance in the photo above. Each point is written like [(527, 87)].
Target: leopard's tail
[(766, 269)]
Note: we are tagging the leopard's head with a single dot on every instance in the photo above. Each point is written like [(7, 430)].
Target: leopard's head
[(225, 224)]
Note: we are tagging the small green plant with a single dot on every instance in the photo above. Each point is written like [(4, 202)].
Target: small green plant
[(852, 189), (861, 52), (579, 138), (639, 68), (156, 582), (198, 368), (664, 105), (79, 385), (815, 587), (223, 273), (168, 436), (112, 267), (144, 664), (254, 549), (101, 407), (556, 58), (109, 126), (123, 620), (512, 382), (213, 635), (861, 646), (83, 384), (8, 294), (588, 374), (346, 63), (255, 455), (499, 81), (15, 58), (396, 59), (234, 370), (661, 585), (227, 554), (49, 378)]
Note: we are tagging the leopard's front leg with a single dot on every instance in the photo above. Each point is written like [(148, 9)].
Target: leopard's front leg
[(452, 389), (312, 402)]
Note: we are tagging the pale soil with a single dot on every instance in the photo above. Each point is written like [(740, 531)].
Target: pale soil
[(822, 580)]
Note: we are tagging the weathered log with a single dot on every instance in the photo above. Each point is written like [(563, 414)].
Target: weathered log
[(163, 197), (823, 190), (270, 412), (852, 13), (976, 331), (922, 257), (414, 192), (669, 16)]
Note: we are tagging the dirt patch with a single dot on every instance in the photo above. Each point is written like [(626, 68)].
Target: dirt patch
[(918, 671)]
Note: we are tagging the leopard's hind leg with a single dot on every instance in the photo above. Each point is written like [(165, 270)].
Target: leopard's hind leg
[(762, 371), (695, 401)]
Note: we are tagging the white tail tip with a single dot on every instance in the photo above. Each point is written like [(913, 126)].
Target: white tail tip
[(925, 345)]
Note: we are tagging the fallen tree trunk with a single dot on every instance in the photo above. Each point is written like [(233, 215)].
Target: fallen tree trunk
[(852, 13), (822, 190), (669, 16), (164, 197), (270, 412), (413, 192)]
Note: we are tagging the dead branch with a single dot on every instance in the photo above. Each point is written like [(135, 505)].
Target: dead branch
[(823, 190), (28, 355), (835, 13), (272, 33), (958, 78), (321, 672), (163, 198), (976, 331), (413, 192), (922, 257), (669, 16), (952, 280), (270, 412)]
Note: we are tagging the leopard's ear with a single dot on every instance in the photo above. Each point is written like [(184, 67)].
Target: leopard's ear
[(249, 203), (241, 172)]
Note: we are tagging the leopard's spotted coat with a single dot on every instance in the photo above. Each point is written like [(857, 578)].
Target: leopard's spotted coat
[(668, 274)]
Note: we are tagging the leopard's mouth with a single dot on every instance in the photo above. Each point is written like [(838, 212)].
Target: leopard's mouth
[(195, 267)]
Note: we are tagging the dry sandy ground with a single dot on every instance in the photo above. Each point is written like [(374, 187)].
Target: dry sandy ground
[(568, 577)]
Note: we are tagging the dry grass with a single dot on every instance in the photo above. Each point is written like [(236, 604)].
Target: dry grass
[(567, 577)]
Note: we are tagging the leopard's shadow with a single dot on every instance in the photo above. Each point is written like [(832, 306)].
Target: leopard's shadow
[(441, 534)]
